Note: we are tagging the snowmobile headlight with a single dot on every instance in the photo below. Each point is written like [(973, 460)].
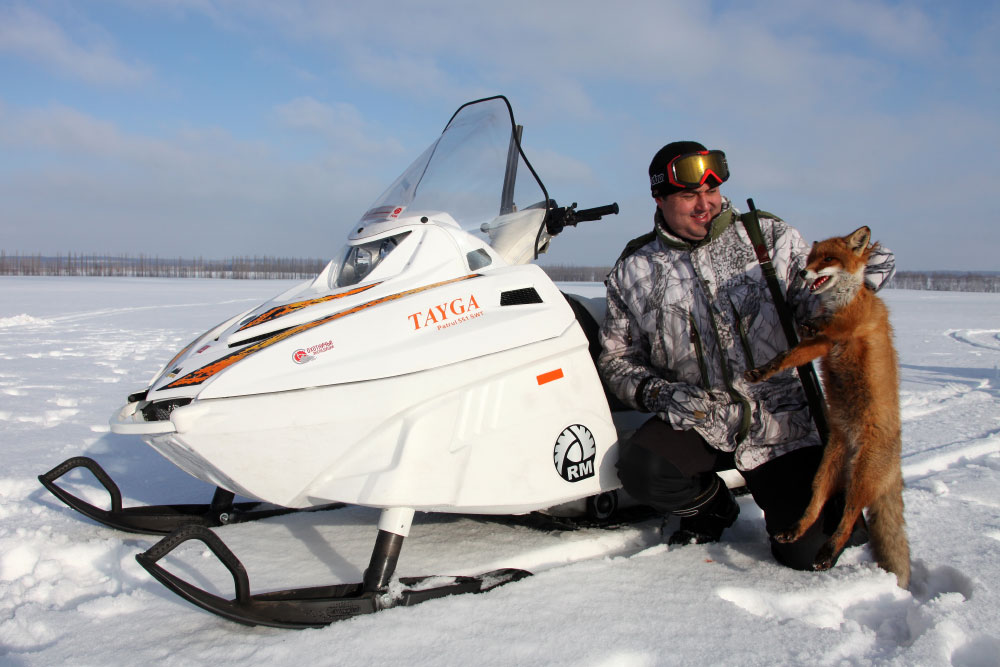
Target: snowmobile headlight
[(360, 260), (386, 247)]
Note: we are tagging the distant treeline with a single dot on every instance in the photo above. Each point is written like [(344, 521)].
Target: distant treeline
[(944, 281), (947, 281), (145, 266), (587, 274)]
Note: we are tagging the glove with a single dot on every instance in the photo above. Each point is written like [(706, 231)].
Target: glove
[(685, 406), (722, 425), (687, 401)]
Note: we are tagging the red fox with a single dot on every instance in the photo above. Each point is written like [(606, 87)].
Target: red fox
[(860, 380)]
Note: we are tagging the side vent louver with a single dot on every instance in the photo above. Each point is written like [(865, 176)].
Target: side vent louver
[(519, 297), (256, 339)]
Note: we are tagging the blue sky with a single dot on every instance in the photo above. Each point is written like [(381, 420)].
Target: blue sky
[(218, 128)]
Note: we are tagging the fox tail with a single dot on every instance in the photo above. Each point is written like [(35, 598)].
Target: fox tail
[(888, 534)]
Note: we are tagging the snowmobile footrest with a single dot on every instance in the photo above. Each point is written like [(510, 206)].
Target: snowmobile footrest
[(152, 519), (300, 608)]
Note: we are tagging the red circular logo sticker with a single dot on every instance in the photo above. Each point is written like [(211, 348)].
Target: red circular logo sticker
[(300, 356)]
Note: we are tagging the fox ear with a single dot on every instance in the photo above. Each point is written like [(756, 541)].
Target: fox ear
[(858, 239)]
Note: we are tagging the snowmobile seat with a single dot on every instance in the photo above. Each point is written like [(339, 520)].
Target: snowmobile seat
[(590, 327)]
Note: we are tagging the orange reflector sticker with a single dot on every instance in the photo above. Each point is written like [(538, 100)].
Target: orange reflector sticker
[(550, 376)]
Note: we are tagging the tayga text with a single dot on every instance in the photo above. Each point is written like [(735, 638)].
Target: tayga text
[(449, 313)]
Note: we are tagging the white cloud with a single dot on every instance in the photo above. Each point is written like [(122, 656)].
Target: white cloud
[(64, 130), (688, 52), (342, 127), (33, 36), (200, 190), (899, 29)]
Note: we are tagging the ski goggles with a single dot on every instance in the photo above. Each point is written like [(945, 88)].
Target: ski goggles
[(691, 170)]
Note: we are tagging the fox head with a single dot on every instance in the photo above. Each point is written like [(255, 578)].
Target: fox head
[(835, 267)]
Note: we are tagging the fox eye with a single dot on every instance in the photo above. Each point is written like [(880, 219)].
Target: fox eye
[(828, 259)]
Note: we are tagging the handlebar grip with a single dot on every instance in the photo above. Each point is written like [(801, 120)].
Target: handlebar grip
[(595, 213)]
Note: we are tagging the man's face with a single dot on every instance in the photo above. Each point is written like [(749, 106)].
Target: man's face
[(689, 213)]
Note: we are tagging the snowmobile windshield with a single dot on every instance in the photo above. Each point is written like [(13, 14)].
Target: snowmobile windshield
[(476, 173)]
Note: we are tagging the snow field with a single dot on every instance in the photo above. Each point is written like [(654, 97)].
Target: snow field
[(72, 593)]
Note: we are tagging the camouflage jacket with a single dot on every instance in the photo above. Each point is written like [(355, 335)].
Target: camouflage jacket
[(684, 314)]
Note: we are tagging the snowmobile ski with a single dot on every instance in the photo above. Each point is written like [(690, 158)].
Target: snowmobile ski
[(154, 519), (316, 606)]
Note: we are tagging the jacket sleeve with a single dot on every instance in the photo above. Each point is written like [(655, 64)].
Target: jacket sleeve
[(881, 267), (624, 359), (626, 367)]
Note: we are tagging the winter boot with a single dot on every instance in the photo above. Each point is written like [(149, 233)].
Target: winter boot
[(706, 522)]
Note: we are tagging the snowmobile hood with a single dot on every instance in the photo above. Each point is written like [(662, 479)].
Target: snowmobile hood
[(422, 306)]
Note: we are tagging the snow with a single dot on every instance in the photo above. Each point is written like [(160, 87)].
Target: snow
[(71, 591)]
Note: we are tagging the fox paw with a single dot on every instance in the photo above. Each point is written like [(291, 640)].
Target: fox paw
[(809, 329), (786, 537), (755, 375), (812, 327)]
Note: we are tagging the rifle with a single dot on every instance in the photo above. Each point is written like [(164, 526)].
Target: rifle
[(807, 372)]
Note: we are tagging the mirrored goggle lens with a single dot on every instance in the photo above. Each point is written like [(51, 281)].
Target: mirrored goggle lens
[(691, 170)]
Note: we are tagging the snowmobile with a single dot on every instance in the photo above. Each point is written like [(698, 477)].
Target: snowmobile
[(430, 366)]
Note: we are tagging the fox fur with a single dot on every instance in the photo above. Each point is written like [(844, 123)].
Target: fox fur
[(853, 337)]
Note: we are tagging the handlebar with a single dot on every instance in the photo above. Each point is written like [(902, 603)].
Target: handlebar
[(595, 213), (568, 216)]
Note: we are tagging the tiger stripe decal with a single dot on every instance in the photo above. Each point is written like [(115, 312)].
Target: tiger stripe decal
[(205, 372), (279, 311)]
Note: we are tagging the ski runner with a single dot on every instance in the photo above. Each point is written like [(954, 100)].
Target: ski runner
[(688, 312)]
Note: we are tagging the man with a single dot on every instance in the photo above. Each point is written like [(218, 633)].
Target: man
[(688, 312)]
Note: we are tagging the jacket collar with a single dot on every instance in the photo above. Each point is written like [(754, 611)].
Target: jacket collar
[(720, 223)]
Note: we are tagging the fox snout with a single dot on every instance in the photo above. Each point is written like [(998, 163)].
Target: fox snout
[(817, 281), (835, 267)]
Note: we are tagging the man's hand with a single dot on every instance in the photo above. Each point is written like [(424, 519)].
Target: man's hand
[(686, 406), (684, 400)]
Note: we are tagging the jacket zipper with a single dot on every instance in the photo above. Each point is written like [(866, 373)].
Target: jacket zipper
[(744, 429), (744, 338), (699, 352)]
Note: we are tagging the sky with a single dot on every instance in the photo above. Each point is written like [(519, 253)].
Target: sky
[(186, 128)]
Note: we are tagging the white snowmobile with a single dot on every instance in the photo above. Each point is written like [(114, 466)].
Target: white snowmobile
[(429, 367)]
